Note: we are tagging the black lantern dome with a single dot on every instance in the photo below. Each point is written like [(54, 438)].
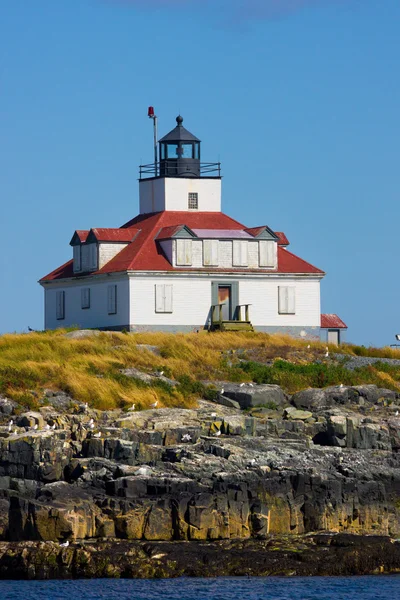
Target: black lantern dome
[(179, 153)]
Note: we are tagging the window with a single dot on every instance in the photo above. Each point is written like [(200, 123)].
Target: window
[(77, 258), (60, 305), (183, 252), (163, 298), (210, 252), (93, 256), (193, 201), (240, 253), (267, 254), (85, 298), (112, 299), (286, 300)]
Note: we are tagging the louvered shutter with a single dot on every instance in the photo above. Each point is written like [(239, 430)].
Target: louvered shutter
[(60, 305), (267, 253), (85, 298), (93, 257)]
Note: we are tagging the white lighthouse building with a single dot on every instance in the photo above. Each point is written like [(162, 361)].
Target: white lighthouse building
[(183, 265)]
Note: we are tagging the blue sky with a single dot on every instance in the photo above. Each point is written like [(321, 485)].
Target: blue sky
[(299, 99)]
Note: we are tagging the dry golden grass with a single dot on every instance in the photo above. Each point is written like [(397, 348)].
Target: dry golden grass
[(89, 369)]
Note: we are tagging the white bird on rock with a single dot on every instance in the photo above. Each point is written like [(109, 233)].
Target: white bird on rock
[(213, 415), (16, 431), (186, 437), (53, 426), (222, 391), (242, 384), (154, 405), (65, 544), (132, 407), (91, 421), (218, 433), (47, 427), (97, 435), (35, 427), (396, 414), (10, 425), (91, 425), (251, 385)]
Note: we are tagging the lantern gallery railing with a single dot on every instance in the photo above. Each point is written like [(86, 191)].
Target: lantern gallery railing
[(168, 168)]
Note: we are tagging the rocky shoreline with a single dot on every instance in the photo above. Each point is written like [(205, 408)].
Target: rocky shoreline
[(312, 555), (256, 482)]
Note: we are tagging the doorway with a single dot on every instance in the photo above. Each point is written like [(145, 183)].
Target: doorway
[(225, 298), (333, 336)]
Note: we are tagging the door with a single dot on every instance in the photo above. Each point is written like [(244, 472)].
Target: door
[(224, 298), (333, 336)]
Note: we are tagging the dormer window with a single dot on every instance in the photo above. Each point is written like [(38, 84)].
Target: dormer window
[(183, 253), (193, 201)]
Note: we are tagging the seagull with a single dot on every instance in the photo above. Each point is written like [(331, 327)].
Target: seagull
[(65, 544), (341, 385), (97, 435), (251, 385), (86, 406), (53, 426), (218, 433), (35, 427), (91, 421), (132, 407), (154, 405), (327, 352), (308, 347), (16, 431), (222, 391), (10, 425), (186, 437), (213, 415), (396, 414), (30, 328), (252, 462), (91, 425), (47, 427), (242, 384)]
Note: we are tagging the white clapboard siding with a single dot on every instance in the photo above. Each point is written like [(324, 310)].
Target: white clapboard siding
[(163, 298), (267, 250), (77, 259), (60, 305), (240, 253), (287, 299), (210, 253), (112, 299), (183, 252)]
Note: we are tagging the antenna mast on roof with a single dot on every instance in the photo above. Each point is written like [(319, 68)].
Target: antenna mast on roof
[(151, 115)]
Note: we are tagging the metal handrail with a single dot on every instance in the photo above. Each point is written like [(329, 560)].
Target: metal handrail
[(154, 169)]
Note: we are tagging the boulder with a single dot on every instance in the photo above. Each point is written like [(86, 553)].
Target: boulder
[(297, 414), (30, 419), (248, 396), (7, 406)]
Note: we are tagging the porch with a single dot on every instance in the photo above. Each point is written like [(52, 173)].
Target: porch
[(239, 322)]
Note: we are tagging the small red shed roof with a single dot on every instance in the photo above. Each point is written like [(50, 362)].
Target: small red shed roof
[(332, 322), (282, 241)]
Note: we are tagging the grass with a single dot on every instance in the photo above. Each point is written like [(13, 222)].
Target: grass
[(90, 369)]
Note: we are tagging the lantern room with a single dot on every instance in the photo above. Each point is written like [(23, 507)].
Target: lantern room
[(179, 153)]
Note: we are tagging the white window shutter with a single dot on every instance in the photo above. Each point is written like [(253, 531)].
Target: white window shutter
[(210, 252), (267, 253), (159, 297), (60, 305), (291, 300), (188, 252), (287, 300), (112, 299), (168, 298), (240, 253), (77, 258)]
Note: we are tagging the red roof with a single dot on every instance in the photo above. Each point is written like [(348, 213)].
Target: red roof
[(114, 235), (143, 253), (82, 234), (332, 322), (283, 241)]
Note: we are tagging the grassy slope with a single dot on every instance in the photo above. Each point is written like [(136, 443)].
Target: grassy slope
[(89, 369)]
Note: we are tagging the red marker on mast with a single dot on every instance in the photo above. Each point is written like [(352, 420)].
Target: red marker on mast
[(151, 115)]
